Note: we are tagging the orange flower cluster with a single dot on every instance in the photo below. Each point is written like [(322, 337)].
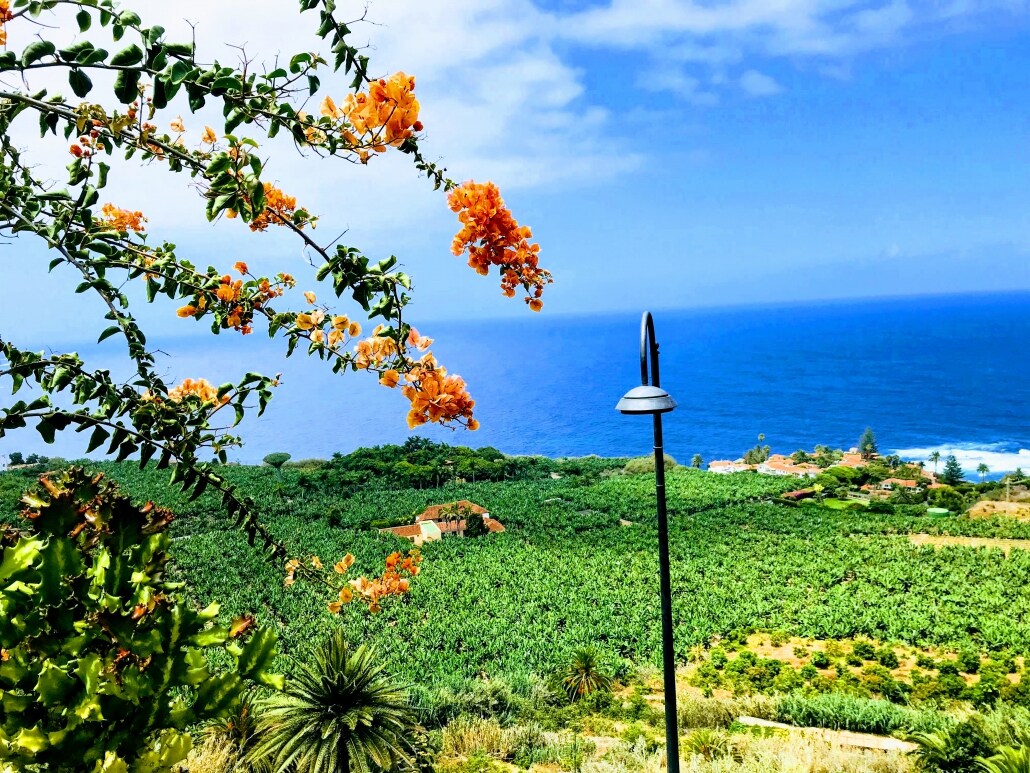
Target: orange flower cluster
[(200, 387), (374, 351), (121, 219), (5, 16), (437, 397), (493, 237), (238, 305), (394, 582), (278, 204), (388, 112)]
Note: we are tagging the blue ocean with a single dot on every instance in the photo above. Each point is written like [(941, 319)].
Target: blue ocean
[(949, 373)]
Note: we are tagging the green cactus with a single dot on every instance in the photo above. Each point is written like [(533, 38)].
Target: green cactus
[(103, 660)]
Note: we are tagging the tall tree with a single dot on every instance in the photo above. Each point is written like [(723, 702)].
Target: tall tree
[(952, 473), (983, 469), (867, 444), (935, 457), (697, 461)]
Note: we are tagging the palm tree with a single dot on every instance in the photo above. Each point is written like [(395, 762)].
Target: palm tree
[(582, 676), (340, 714), (1007, 760), (935, 456), (983, 469), (697, 461)]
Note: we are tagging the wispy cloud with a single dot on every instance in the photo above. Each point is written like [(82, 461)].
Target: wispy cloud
[(713, 38), (759, 84)]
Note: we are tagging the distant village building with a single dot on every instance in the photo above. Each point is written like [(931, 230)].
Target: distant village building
[(724, 466), (778, 464), (446, 520)]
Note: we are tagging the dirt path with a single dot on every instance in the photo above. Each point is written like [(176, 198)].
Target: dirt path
[(838, 737), (940, 540)]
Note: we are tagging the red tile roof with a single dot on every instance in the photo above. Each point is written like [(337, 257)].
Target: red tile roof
[(432, 513), (408, 532)]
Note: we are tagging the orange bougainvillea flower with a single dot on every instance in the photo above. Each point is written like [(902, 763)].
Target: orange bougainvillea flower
[(345, 563), (388, 112), (121, 219), (177, 125), (200, 387), (5, 16), (310, 321), (419, 342), (310, 297), (278, 208), (241, 267), (436, 396), (209, 137), (390, 378), (492, 237), (187, 311)]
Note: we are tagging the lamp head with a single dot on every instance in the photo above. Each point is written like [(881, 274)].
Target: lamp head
[(646, 399)]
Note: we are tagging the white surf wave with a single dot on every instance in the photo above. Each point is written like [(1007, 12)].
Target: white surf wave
[(997, 457)]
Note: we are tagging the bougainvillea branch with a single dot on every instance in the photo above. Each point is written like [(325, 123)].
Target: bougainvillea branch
[(152, 82)]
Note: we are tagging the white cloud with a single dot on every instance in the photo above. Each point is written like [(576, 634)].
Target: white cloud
[(759, 84), (714, 36)]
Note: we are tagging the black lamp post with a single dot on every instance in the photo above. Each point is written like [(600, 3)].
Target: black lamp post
[(650, 398)]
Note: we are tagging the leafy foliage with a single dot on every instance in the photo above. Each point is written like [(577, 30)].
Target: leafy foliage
[(103, 659), (339, 714), (583, 675)]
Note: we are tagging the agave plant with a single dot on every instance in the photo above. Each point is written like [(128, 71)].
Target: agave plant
[(340, 714), (707, 743), (583, 675), (1008, 759)]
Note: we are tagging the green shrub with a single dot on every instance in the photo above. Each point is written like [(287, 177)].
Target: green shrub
[(820, 659), (644, 464), (105, 662), (969, 661), (718, 657), (886, 657), (925, 661), (706, 712), (863, 650)]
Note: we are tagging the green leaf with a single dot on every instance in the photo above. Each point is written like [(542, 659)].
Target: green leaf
[(46, 430), (97, 439), (126, 85), (76, 51), (257, 656), (53, 684), (109, 332), (36, 51), (84, 20), (19, 558), (80, 83), (217, 695), (128, 56)]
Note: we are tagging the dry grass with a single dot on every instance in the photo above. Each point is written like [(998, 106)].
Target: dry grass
[(214, 755), (940, 540), (990, 507), (756, 754)]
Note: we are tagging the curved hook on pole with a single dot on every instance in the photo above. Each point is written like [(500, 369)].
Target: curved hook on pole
[(648, 345)]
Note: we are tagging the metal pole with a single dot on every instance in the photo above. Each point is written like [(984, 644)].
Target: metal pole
[(649, 345), (672, 745)]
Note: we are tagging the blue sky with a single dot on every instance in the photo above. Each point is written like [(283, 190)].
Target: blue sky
[(666, 153)]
